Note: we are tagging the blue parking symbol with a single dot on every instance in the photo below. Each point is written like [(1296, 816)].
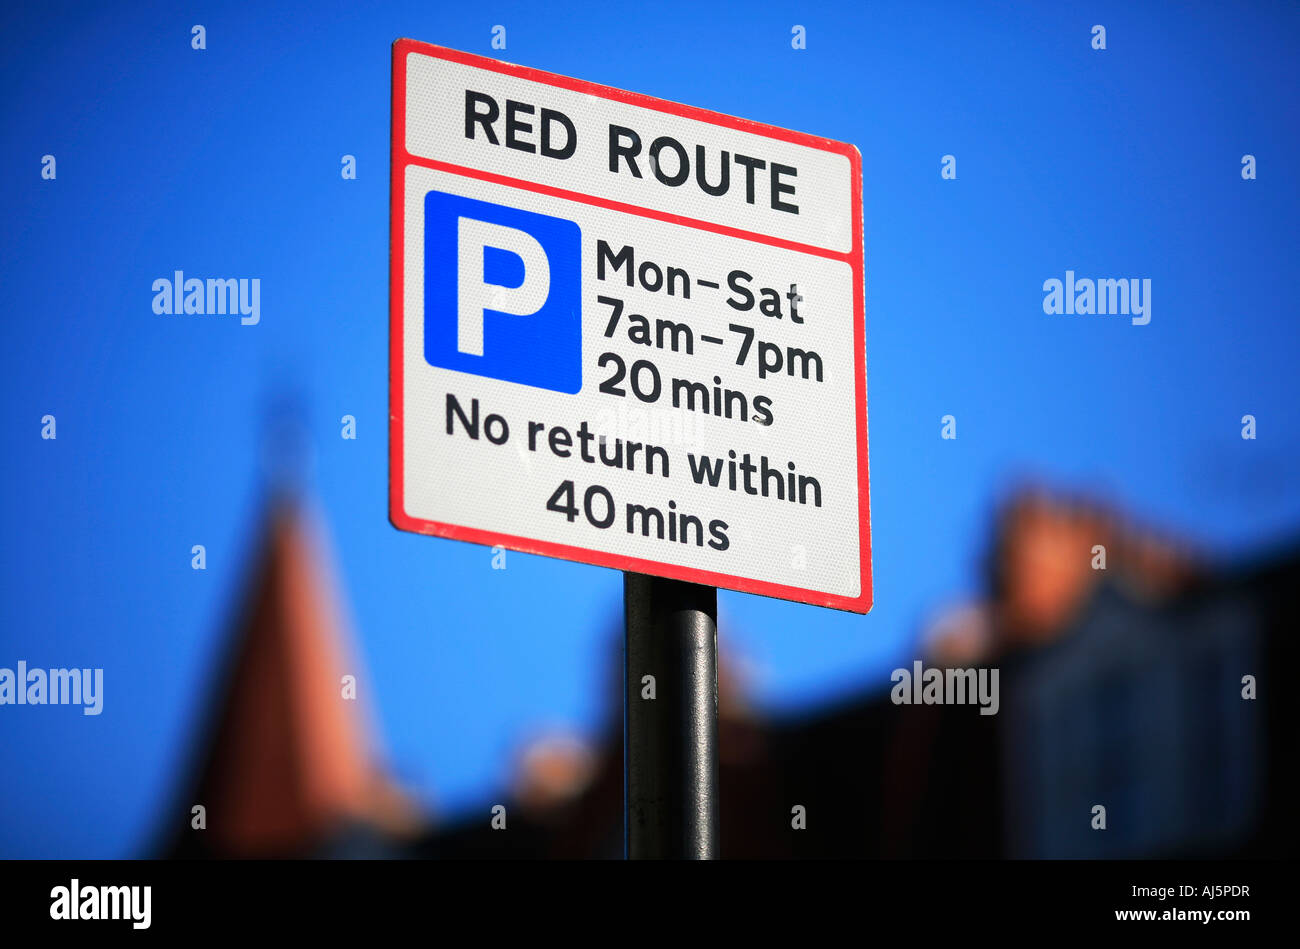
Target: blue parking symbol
[(502, 292)]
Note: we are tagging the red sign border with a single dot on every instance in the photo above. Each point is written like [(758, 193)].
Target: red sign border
[(400, 159)]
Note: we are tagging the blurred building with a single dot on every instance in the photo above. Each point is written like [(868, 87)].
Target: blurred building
[(288, 765), (1125, 659), (1121, 685)]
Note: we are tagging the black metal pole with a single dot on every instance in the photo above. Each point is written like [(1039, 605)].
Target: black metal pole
[(670, 721)]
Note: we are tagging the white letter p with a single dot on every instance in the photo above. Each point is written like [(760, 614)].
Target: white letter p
[(474, 295)]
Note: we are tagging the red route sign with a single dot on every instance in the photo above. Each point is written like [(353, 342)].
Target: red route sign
[(626, 332)]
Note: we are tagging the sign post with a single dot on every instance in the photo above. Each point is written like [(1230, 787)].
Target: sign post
[(670, 719), (629, 332)]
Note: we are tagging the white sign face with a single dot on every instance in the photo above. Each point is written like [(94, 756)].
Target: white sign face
[(626, 332)]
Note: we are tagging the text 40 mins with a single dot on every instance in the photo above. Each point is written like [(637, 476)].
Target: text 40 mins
[(601, 512)]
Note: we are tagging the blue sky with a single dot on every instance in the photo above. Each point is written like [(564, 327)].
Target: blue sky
[(1116, 163)]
